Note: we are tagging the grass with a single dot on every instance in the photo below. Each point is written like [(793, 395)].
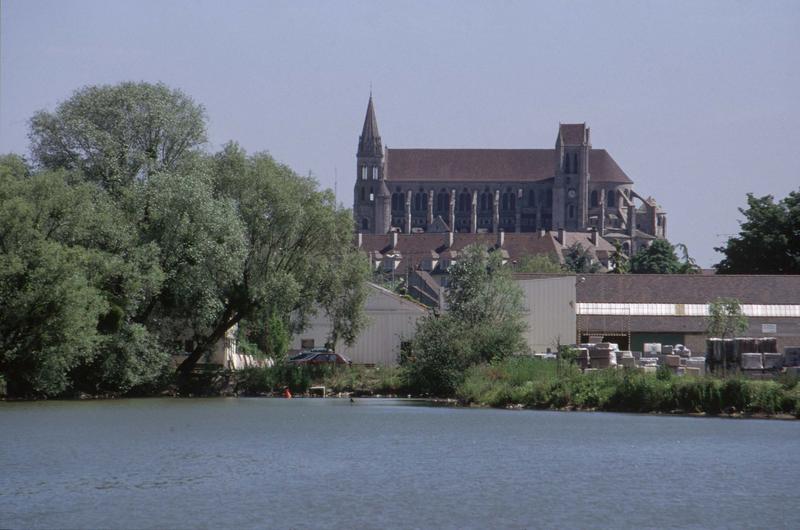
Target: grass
[(536, 383)]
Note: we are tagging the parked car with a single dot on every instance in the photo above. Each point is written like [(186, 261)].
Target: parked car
[(307, 353), (321, 358)]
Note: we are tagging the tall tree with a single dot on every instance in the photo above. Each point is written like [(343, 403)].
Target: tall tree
[(769, 238), (117, 133), (294, 237)]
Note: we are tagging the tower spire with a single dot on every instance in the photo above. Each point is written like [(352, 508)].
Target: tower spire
[(369, 143)]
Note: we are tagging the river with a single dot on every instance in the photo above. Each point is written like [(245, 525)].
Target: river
[(329, 463)]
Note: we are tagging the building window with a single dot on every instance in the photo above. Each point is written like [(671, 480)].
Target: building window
[(531, 198), (442, 202), (363, 172), (365, 224), (574, 162), (374, 172), (371, 196), (611, 198), (362, 194), (593, 199), (512, 201), (571, 211)]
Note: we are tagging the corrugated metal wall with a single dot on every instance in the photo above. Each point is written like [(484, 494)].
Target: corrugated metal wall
[(392, 320), (550, 311)]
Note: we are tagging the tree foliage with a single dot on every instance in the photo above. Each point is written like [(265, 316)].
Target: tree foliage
[(658, 258), (484, 322), (580, 260), (116, 133), (126, 240), (725, 318), (769, 238), (538, 263)]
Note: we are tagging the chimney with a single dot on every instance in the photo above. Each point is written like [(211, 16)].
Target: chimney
[(394, 240), (449, 240), (562, 237), (594, 237), (501, 238), (360, 239)]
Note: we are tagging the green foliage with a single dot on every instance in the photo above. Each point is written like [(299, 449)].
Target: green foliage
[(484, 322), (580, 260), (768, 241), (725, 318), (438, 357), (539, 384), (620, 262), (658, 258), (114, 134), (537, 263)]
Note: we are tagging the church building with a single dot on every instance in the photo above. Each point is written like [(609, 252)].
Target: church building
[(572, 187)]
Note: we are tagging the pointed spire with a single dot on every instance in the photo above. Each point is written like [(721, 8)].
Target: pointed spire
[(369, 143)]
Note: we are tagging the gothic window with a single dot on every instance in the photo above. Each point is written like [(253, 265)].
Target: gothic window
[(531, 198), (512, 201), (505, 202), (424, 201), (574, 162), (374, 172), (371, 194), (571, 211), (611, 198), (363, 172), (417, 202), (365, 224), (593, 199), (442, 202), (362, 194), (463, 201)]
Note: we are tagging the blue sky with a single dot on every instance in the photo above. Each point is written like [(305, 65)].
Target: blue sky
[(699, 102)]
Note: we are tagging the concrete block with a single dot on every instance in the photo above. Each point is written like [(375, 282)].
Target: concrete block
[(693, 371), (627, 362), (599, 362), (752, 361), (652, 348), (772, 361), (673, 361), (648, 361), (666, 349), (648, 369)]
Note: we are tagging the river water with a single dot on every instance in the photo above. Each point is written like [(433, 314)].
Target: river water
[(329, 463)]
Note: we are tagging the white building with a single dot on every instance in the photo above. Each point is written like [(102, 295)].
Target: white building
[(392, 320)]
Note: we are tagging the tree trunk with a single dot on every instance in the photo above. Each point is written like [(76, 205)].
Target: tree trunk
[(202, 347)]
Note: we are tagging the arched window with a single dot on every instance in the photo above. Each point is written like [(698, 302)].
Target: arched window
[(417, 201), (574, 162), (611, 198), (513, 201), (571, 211), (365, 224), (363, 172), (362, 194), (531, 198), (443, 202), (463, 201), (371, 194), (505, 201), (593, 199), (374, 172)]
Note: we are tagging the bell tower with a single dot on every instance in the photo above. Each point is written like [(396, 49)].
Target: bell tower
[(571, 185), (370, 200)]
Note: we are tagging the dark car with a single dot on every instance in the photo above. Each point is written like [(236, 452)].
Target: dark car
[(327, 357), (308, 353)]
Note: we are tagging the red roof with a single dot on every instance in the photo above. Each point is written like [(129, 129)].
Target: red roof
[(483, 165)]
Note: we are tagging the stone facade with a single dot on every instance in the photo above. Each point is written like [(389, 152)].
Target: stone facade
[(571, 187)]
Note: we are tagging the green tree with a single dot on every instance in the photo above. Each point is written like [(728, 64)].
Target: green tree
[(537, 263), (620, 262), (115, 134), (297, 251), (483, 323), (725, 319), (769, 238), (580, 260), (658, 258)]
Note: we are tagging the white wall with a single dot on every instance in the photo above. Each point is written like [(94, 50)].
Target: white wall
[(391, 320), (549, 311)]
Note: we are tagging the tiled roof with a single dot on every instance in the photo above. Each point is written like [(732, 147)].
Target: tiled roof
[(485, 165), (688, 288)]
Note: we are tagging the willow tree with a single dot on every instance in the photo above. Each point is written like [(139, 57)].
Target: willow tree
[(297, 255)]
